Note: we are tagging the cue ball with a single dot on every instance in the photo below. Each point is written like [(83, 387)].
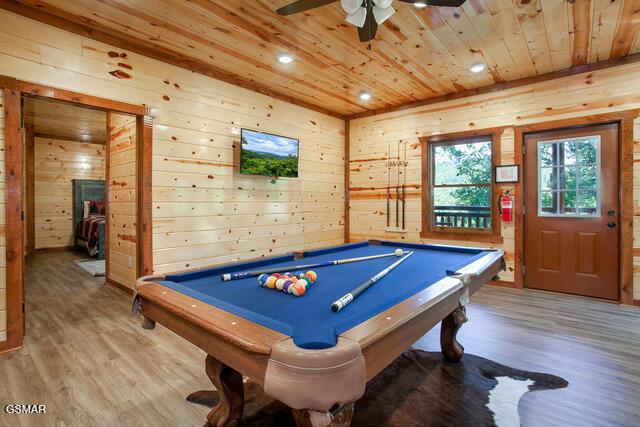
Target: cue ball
[(398, 252)]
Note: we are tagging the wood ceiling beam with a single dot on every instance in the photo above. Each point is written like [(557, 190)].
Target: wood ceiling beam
[(581, 32), (628, 28), (120, 40), (586, 68)]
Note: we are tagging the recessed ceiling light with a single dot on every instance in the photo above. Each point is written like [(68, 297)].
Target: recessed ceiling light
[(285, 58), (364, 96), (477, 68), (420, 4)]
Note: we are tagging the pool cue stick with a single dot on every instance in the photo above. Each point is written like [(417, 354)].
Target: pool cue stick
[(244, 274), (404, 187), (388, 181), (398, 185), (345, 300)]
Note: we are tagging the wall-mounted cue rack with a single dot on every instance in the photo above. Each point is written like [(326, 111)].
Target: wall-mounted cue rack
[(396, 194)]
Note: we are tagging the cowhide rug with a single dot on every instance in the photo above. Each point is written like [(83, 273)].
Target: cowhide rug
[(421, 389)]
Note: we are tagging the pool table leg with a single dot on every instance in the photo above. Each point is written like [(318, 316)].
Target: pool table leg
[(451, 348), (230, 394), (311, 418)]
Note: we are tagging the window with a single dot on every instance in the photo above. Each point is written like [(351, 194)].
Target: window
[(569, 177), (458, 195)]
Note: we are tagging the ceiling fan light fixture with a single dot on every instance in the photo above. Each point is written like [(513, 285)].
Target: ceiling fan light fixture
[(358, 18), (477, 68), (351, 6), (285, 58), (381, 14)]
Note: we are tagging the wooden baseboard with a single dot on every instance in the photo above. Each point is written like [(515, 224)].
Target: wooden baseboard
[(9, 350), (504, 284), (636, 302), (59, 249), (119, 286)]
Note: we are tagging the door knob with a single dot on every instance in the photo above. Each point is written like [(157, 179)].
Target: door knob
[(611, 225)]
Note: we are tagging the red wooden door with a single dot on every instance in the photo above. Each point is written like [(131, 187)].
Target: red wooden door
[(571, 211)]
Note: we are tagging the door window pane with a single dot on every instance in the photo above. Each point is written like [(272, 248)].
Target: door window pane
[(567, 152), (569, 177), (568, 202), (548, 201), (548, 179), (588, 177), (588, 202)]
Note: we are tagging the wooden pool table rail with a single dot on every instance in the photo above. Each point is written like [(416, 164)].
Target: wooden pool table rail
[(235, 344)]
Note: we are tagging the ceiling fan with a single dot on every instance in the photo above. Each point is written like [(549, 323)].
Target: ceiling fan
[(364, 14)]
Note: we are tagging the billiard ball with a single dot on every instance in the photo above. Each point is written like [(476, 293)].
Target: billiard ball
[(298, 289), (262, 280), (311, 275), (271, 282)]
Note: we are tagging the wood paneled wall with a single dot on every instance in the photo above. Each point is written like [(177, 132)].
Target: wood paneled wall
[(57, 162), (636, 209), (3, 252), (204, 211), (612, 89), (122, 198)]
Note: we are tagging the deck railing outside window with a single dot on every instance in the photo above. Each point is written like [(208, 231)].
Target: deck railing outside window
[(462, 216)]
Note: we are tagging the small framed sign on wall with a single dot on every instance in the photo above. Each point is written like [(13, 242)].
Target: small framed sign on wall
[(507, 173)]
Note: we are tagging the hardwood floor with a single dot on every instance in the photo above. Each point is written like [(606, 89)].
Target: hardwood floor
[(91, 363)]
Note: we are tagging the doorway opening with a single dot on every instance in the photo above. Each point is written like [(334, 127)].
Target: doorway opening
[(77, 194)]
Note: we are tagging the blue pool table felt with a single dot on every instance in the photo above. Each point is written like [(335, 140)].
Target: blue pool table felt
[(309, 319)]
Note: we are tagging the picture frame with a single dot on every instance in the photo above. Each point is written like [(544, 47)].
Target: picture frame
[(507, 174)]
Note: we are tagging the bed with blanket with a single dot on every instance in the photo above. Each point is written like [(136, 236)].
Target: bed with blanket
[(89, 221)]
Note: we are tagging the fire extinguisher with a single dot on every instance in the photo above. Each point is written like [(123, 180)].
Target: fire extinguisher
[(505, 204)]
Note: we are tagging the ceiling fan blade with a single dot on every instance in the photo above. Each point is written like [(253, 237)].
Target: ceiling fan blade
[(302, 5), (358, 18), (442, 3), (381, 14), (368, 31)]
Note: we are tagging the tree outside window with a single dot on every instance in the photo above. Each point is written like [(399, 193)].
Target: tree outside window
[(458, 194)]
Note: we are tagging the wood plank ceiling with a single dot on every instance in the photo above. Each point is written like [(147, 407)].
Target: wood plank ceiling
[(54, 119), (418, 54)]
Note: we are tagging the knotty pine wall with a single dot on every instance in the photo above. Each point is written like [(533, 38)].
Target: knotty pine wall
[(56, 163), (3, 248), (122, 198), (204, 211), (597, 92)]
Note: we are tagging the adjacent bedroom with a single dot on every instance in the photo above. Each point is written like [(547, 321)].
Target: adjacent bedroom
[(69, 151)]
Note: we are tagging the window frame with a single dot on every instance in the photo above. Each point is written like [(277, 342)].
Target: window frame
[(431, 231)]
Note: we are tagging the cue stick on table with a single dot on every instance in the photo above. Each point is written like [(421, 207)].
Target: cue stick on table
[(244, 274), (388, 180), (342, 302)]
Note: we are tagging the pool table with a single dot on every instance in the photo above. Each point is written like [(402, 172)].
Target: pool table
[(305, 355)]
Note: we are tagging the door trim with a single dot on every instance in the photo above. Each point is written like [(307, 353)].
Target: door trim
[(13, 89), (625, 155)]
